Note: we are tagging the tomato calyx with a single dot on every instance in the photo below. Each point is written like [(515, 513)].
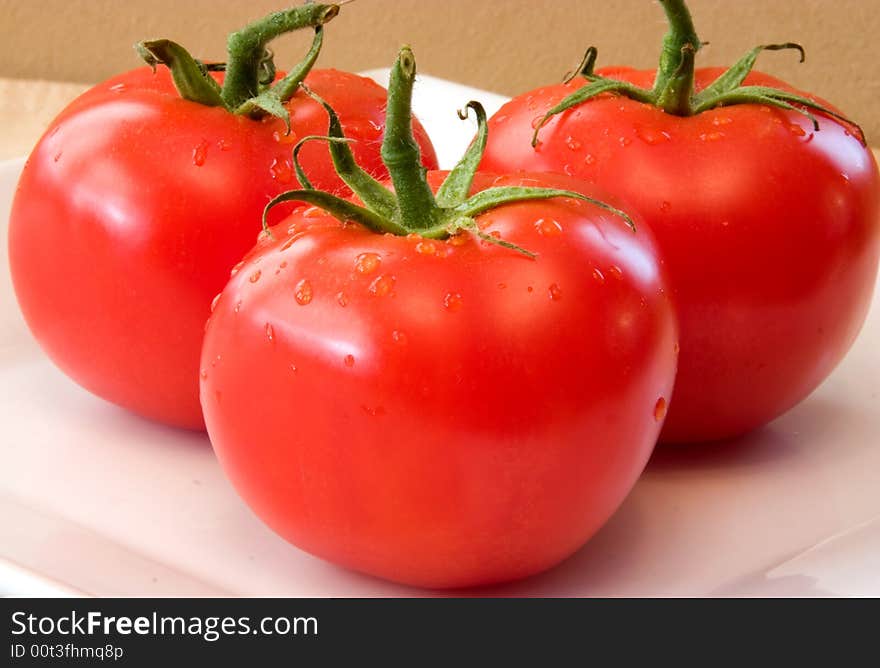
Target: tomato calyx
[(249, 86), (673, 89), (412, 207)]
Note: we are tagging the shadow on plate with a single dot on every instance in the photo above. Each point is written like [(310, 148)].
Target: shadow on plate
[(796, 434)]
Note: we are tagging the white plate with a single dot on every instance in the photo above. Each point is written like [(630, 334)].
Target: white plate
[(96, 501)]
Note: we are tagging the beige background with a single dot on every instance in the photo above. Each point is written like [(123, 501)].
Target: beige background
[(502, 45)]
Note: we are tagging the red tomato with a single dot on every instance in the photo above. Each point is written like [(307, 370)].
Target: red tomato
[(442, 413), (768, 229), (134, 206)]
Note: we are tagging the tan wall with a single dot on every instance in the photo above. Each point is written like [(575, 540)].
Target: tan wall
[(503, 45)]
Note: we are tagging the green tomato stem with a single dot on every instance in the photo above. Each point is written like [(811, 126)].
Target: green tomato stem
[(246, 48), (417, 208), (674, 84)]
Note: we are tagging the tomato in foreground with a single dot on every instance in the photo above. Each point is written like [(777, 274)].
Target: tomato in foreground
[(767, 223), (439, 410), (136, 203)]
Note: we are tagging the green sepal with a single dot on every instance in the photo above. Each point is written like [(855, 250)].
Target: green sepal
[(336, 206), (286, 88), (495, 197), (190, 77), (301, 175), (269, 102), (467, 224), (372, 193), (776, 98), (586, 66), (599, 86), (458, 183), (737, 73)]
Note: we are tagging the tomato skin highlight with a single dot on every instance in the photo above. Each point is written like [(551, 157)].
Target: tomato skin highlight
[(769, 232), (132, 210), (441, 413)]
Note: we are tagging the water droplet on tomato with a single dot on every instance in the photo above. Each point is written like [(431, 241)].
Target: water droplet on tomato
[(200, 153), (530, 289), (117, 88), (589, 159), (284, 137), (615, 272), (452, 301), (382, 286), (501, 118), (547, 227), (797, 130), (652, 136), (303, 292), (624, 141), (711, 136), (598, 275), (426, 247), (502, 286), (255, 276), (367, 263), (215, 300), (293, 368), (203, 374), (676, 348), (349, 360), (665, 206), (281, 170), (224, 145), (572, 143), (722, 120), (660, 409), (294, 236), (568, 170), (314, 212), (341, 299), (270, 332), (57, 156), (399, 337), (237, 306), (555, 292)]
